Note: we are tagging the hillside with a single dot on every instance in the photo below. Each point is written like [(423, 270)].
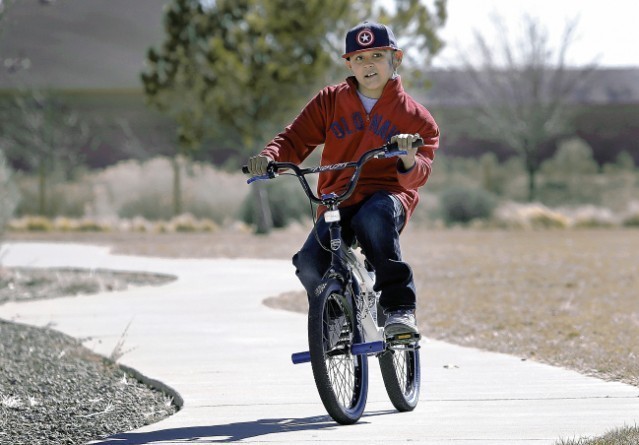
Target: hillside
[(101, 44), (78, 44)]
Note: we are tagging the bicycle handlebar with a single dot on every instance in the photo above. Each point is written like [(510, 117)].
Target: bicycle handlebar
[(385, 151)]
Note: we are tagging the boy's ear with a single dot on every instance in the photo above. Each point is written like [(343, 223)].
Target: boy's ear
[(398, 55)]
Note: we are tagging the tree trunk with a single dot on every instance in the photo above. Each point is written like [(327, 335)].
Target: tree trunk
[(532, 184), (262, 209), (42, 189), (177, 185)]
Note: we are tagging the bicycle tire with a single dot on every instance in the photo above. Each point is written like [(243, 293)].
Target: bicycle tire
[(401, 372), (341, 377)]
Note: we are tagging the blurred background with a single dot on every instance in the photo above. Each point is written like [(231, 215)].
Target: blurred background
[(137, 115)]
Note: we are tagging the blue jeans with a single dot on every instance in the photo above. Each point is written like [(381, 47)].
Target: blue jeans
[(376, 224)]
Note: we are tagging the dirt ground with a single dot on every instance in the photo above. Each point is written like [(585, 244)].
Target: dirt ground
[(564, 297)]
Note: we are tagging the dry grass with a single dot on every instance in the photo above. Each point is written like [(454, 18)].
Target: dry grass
[(227, 243), (628, 435), (567, 298)]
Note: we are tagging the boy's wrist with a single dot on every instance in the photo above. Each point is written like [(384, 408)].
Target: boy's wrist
[(405, 165)]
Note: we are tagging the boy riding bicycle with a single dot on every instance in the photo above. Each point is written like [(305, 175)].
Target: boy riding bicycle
[(367, 110)]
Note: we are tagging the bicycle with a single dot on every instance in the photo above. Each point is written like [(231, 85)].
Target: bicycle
[(343, 324)]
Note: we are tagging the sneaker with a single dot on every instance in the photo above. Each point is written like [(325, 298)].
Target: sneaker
[(400, 322)]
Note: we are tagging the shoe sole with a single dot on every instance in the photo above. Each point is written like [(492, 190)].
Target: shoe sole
[(399, 329)]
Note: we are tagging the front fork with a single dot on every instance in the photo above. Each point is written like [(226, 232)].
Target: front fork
[(338, 267), (335, 230)]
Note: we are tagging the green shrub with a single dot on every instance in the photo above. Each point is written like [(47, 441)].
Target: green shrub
[(573, 157), (631, 221), (570, 177), (464, 204), (631, 216), (506, 179), (624, 162)]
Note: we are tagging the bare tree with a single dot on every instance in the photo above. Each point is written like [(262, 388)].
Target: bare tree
[(44, 135), (522, 88)]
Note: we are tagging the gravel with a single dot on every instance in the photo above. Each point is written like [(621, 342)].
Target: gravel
[(53, 390)]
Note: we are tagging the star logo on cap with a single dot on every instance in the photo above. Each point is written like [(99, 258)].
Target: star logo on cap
[(365, 37)]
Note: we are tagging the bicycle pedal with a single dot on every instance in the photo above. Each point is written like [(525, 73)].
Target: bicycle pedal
[(409, 338)]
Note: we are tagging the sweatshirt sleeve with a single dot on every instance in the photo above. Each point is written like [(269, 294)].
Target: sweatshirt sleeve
[(418, 174), (303, 135)]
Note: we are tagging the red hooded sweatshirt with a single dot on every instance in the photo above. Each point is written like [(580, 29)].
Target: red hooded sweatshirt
[(336, 118)]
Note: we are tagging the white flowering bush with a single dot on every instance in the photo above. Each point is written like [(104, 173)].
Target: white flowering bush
[(132, 189), (529, 216)]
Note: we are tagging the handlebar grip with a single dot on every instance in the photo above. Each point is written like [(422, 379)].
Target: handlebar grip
[(246, 171), (416, 143), (270, 173)]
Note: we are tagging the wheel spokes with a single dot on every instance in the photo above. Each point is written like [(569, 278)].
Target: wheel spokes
[(340, 363)]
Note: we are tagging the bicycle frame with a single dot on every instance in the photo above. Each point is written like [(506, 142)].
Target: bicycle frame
[(366, 300)]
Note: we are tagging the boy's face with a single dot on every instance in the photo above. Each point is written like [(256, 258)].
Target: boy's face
[(373, 68)]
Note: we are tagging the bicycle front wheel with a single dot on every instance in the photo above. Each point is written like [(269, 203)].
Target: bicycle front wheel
[(401, 373), (341, 377)]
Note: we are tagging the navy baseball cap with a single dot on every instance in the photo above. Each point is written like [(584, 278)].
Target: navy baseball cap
[(367, 36)]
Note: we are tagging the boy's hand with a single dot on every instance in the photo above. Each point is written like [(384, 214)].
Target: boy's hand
[(257, 165), (405, 142)]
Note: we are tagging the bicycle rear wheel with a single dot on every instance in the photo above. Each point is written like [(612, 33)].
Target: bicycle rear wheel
[(401, 373), (341, 377)]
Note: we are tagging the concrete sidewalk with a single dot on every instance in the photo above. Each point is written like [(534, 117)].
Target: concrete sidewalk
[(209, 338)]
